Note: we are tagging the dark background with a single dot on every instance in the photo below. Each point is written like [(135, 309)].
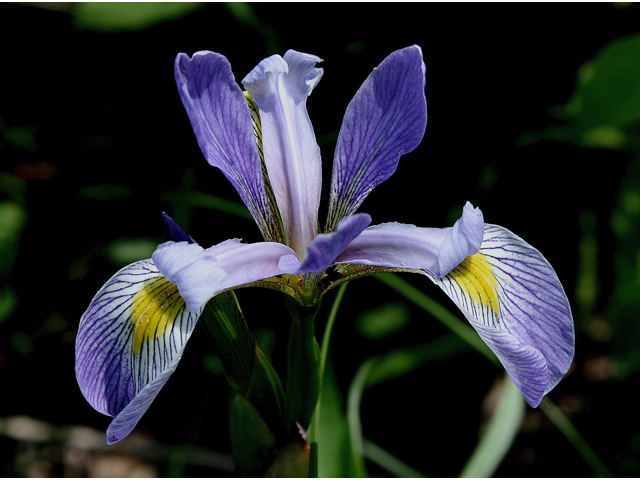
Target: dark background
[(95, 144)]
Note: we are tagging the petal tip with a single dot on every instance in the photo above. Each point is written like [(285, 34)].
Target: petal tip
[(289, 264)]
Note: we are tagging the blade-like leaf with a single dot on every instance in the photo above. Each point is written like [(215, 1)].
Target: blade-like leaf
[(499, 434)]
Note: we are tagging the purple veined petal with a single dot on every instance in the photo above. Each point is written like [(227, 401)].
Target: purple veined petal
[(129, 342), (221, 120), (399, 245), (386, 119), (513, 298), (324, 249), (201, 273), (280, 87)]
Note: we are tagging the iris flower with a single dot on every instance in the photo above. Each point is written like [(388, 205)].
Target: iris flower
[(133, 333)]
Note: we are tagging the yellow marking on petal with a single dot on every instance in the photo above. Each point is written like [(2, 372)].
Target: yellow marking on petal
[(475, 277), (153, 310)]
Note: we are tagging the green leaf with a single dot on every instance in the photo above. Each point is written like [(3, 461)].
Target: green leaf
[(356, 389), (319, 420), (604, 108), (399, 362), (567, 428), (119, 16), (608, 86), (12, 221), (387, 461), (457, 326), (8, 302), (265, 391), (252, 443), (499, 434), (382, 321), (335, 457), (224, 325), (124, 251)]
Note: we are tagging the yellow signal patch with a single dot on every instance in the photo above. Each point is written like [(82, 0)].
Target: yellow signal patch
[(475, 277), (153, 309)]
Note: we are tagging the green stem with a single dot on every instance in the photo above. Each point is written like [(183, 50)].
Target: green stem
[(303, 366)]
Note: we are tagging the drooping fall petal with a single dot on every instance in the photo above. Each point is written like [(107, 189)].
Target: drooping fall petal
[(512, 297), (130, 340)]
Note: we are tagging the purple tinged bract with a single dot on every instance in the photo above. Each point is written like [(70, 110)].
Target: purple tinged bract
[(134, 331)]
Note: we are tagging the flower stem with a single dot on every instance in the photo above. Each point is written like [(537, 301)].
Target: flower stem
[(303, 367)]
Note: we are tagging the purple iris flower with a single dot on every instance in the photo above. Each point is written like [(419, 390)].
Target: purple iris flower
[(134, 331)]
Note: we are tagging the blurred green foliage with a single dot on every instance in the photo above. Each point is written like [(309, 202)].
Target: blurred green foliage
[(119, 16), (601, 115), (383, 321), (604, 108)]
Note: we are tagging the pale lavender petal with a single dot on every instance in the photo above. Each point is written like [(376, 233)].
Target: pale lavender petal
[(280, 87), (221, 120), (386, 119), (398, 245), (201, 273), (124, 423), (463, 240), (129, 342), (324, 249), (511, 295)]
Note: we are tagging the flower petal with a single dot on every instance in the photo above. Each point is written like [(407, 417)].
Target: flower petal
[(221, 120), (129, 342), (398, 245), (512, 297), (386, 119), (201, 273), (280, 87), (173, 231), (324, 249)]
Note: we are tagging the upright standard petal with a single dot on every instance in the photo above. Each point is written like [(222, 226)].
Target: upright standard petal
[(221, 120), (201, 273), (512, 297), (401, 246), (129, 343), (280, 87), (386, 119)]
